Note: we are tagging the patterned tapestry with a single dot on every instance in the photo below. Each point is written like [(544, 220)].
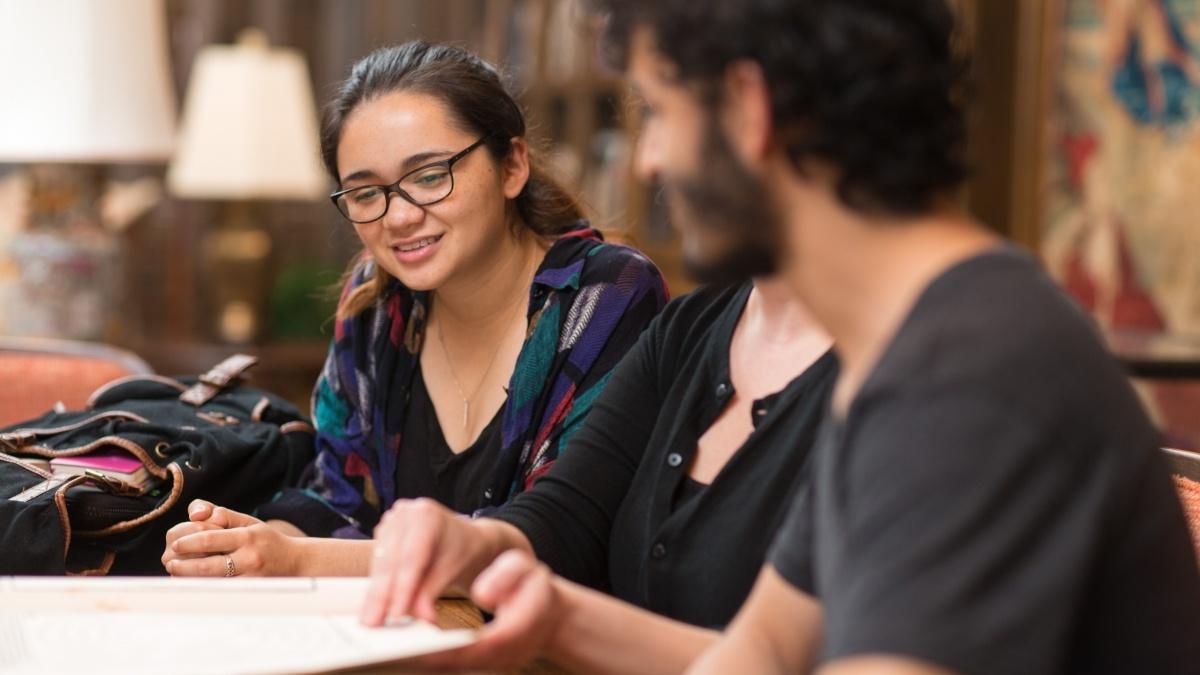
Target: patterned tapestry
[(1122, 226), (1123, 222)]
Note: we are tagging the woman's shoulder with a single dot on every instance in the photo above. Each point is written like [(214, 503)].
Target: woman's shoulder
[(703, 306), (596, 261)]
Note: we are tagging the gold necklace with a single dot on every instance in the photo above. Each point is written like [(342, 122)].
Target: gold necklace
[(458, 385)]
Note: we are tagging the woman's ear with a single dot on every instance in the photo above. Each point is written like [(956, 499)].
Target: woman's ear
[(514, 169)]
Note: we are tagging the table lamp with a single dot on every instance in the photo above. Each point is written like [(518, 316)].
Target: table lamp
[(248, 133), (84, 84)]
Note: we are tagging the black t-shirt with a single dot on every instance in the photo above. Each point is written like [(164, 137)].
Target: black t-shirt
[(994, 500), (611, 515), (427, 467)]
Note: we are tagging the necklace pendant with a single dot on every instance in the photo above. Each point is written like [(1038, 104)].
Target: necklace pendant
[(466, 413)]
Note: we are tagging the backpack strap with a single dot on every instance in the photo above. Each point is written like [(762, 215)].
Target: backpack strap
[(217, 379)]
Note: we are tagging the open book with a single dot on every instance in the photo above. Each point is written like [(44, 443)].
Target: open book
[(126, 625)]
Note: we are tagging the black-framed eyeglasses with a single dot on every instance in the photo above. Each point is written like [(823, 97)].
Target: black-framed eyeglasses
[(422, 186)]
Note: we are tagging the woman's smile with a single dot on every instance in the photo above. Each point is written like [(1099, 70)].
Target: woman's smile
[(416, 250)]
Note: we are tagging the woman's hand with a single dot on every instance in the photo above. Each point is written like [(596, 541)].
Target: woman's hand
[(528, 607), (202, 516), (421, 549), (214, 535)]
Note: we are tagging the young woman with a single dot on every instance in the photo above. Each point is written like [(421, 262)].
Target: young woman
[(471, 339)]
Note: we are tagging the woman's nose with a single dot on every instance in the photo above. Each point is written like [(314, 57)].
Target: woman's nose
[(402, 213)]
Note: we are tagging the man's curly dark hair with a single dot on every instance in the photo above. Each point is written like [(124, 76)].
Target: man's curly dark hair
[(873, 87)]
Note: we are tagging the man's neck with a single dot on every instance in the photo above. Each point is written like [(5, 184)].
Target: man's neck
[(860, 276), (775, 314)]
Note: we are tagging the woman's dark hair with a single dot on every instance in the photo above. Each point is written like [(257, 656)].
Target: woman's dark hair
[(475, 96), (876, 88)]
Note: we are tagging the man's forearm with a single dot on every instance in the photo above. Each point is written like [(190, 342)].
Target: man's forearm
[(778, 630), (600, 634)]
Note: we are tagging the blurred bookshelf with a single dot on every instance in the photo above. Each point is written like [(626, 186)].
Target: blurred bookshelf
[(583, 118), (580, 120)]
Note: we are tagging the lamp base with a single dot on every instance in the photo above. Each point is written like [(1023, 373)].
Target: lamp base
[(58, 276), (238, 261)]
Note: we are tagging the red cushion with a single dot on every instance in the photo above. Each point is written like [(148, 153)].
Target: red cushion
[(31, 383)]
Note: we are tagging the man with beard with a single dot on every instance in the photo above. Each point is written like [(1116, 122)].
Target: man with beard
[(986, 495), (661, 510)]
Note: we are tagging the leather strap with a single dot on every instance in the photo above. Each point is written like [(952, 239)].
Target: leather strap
[(217, 379)]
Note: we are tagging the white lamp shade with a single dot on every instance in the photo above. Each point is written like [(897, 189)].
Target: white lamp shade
[(249, 128), (85, 81)]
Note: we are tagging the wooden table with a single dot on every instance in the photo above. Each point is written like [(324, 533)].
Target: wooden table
[(464, 614)]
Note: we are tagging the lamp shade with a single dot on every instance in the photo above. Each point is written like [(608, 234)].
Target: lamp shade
[(85, 81), (249, 128)]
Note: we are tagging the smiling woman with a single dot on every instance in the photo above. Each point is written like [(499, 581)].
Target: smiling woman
[(465, 235)]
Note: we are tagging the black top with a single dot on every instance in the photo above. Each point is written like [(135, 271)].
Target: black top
[(427, 467), (689, 488), (607, 515), (994, 501)]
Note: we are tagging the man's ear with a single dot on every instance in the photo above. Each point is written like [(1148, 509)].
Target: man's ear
[(746, 110), (515, 168)]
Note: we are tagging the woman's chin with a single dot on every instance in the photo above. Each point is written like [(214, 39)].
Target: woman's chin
[(427, 279)]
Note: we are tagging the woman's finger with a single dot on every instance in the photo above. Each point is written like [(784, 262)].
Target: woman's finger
[(207, 566), (179, 531), (223, 517), (383, 565), (520, 590), (417, 553), (209, 542), (445, 567), (497, 584), (199, 510)]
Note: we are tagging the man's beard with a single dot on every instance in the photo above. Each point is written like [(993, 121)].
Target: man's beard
[(725, 199)]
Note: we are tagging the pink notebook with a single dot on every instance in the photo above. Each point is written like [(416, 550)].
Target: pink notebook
[(112, 460), (112, 463)]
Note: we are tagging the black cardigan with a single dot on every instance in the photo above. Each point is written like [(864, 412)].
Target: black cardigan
[(607, 514)]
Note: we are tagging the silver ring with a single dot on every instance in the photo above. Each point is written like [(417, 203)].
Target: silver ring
[(230, 568)]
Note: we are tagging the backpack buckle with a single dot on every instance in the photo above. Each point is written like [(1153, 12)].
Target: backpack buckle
[(219, 378)]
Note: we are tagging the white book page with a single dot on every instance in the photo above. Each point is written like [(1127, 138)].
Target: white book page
[(202, 626), (135, 642)]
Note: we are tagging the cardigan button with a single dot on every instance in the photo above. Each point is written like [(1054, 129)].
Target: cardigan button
[(658, 552), (674, 459), (722, 390), (487, 494)]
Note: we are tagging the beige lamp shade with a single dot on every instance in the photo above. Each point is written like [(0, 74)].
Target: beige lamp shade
[(249, 128), (85, 81)]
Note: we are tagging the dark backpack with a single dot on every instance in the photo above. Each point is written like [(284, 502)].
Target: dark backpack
[(209, 437)]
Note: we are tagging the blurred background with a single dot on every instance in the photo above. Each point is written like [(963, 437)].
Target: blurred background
[(160, 188)]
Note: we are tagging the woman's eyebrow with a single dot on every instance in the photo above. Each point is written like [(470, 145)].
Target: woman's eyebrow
[(359, 175), (415, 161), (410, 162)]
